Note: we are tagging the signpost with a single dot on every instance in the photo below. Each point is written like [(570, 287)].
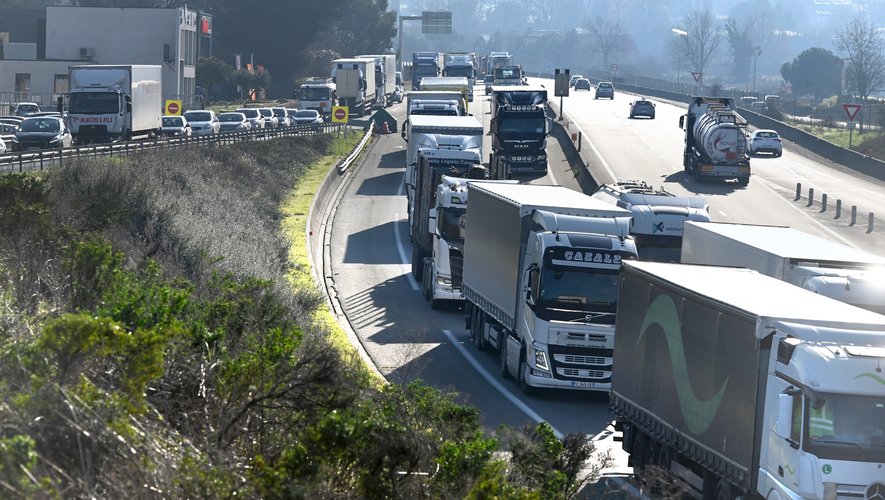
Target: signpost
[(697, 76), (614, 68), (851, 110), (339, 114)]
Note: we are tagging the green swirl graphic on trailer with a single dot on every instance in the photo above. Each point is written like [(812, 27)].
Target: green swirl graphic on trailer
[(873, 376), (697, 413)]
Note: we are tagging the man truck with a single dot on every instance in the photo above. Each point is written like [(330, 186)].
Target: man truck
[(811, 262), (385, 78), (354, 81), (743, 386), (715, 141), (115, 102), (433, 256), (519, 131), (658, 216), (425, 64), (541, 267), (317, 94)]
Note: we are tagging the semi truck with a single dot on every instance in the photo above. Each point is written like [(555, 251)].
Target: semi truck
[(715, 141), (354, 81), (658, 216), (541, 267), (453, 133), (385, 78), (509, 75), (317, 94), (417, 96), (744, 386), (425, 65), (802, 259), (461, 64), (114, 102), (493, 60), (432, 255), (519, 131), (448, 84)]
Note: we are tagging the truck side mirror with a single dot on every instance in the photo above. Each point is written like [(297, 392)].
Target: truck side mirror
[(682, 121), (128, 104), (784, 425), (431, 221)]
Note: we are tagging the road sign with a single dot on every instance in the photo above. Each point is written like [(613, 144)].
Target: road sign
[(696, 75), (614, 68), (436, 22), (339, 114), (851, 110), (173, 107)]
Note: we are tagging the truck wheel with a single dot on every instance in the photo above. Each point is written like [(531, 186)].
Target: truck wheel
[(725, 491), (417, 263), (522, 373), (743, 181), (502, 354), (428, 271), (478, 328), (696, 175)]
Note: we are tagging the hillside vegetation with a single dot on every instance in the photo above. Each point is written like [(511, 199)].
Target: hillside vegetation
[(153, 344)]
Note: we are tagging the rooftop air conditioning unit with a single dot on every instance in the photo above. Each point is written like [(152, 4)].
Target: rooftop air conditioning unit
[(86, 52)]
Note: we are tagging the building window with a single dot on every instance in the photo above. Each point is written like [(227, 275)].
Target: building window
[(22, 86), (62, 85)]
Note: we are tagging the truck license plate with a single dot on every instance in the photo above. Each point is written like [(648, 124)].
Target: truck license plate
[(583, 384)]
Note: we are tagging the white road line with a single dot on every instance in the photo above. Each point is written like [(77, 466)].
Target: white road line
[(608, 169), (495, 383)]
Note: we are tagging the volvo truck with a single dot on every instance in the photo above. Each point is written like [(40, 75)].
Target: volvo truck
[(541, 267), (115, 102), (355, 87), (715, 141), (811, 262), (519, 131), (740, 385)]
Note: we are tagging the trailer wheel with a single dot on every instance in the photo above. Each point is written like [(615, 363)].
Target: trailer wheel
[(417, 263), (502, 354), (725, 491), (478, 327), (428, 271)]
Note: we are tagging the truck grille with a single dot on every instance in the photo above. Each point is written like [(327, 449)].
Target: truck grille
[(456, 262), (595, 375), (581, 363), (584, 360)]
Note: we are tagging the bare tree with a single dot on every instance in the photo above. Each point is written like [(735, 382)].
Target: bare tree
[(607, 37), (698, 39), (862, 47)]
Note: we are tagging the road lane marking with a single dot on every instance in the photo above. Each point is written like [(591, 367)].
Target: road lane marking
[(491, 379), (402, 253)]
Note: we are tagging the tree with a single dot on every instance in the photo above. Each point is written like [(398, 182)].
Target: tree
[(607, 37), (212, 71), (742, 46), (252, 80), (815, 71), (859, 41), (700, 41), (367, 27)]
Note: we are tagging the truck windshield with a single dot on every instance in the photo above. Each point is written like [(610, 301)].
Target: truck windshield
[(466, 72), (846, 427), (94, 103), (452, 224), (530, 124), (588, 292), (315, 94)]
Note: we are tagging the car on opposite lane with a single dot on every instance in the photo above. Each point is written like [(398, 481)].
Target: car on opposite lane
[(582, 84), (642, 107), (203, 121), (42, 132), (765, 141), (233, 121), (574, 79), (605, 89)]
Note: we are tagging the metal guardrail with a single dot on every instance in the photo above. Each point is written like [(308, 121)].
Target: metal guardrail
[(38, 160), (345, 164)]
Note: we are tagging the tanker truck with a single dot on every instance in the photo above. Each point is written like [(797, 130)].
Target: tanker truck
[(715, 141)]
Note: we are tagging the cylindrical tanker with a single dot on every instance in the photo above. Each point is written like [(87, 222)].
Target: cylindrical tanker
[(718, 134)]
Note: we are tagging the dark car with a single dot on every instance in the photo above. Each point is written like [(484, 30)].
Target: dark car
[(582, 84), (605, 89), (43, 132), (642, 108)]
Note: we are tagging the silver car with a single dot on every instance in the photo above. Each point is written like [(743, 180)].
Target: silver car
[(281, 116), (256, 119), (203, 121), (270, 120), (233, 121), (175, 126)]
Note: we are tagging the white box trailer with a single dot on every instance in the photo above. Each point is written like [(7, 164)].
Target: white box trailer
[(802, 259), (355, 84), (385, 77)]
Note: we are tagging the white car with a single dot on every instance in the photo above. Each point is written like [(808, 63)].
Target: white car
[(175, 126), (256, 119), (203, 121), (307, 116), (232, 121), (574, 79), (270, 120), (282, 117), (765, 141)]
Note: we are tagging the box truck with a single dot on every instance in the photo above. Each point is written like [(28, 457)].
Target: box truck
[(355, 85), (811, 262), (385, 78), (743, 386), (541, 268), (114, 102)]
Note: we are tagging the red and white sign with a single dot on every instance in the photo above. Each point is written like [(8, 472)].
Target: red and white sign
[(851, 110), (615, 68), (173, 108), (340, 114), (696, 75)]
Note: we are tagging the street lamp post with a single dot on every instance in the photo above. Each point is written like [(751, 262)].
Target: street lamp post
[(756, 52), (678, 32)]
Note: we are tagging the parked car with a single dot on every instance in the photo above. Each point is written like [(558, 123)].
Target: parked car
[(489, 80), (25, 108), (42, 132), (203, 121), (642, 107), (765, 141), (270, 120), (256, 119), (234, 121), (175, 126), (582, 84), (605, 89), (282, 117), (574, 79)]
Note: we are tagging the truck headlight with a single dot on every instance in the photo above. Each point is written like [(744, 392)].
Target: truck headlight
[(541, 360), (542, 157)]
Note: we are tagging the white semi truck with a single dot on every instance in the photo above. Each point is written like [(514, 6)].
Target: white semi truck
[(460, 133), (715, 141), (385, 77), (744, 386), (317, 94), (658, 216), (114, 102), (541, 270), (811, 262), (355, 84)]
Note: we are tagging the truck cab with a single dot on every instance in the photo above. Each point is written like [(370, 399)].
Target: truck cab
[(519, 131), (317, 94)]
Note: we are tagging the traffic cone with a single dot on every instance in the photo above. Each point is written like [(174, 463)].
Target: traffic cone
[(386, 128)]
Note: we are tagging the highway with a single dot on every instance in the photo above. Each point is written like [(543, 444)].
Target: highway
[(370, 250)]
